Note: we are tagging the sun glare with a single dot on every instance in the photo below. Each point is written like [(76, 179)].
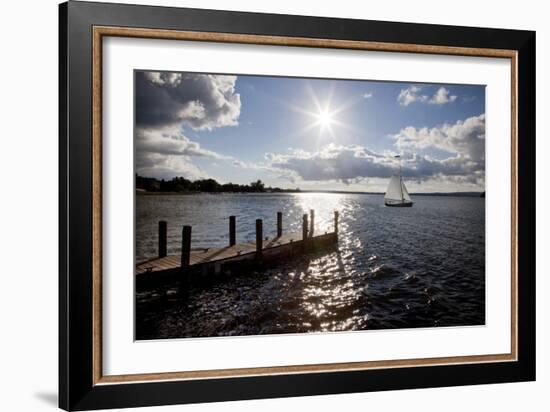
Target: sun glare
[(324, 118)]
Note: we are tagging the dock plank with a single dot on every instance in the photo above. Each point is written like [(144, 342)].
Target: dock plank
[(210, 255)]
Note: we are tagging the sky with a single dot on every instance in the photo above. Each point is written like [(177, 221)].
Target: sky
[(312, 134)]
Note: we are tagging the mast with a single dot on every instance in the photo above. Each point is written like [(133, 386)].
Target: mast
[(400, 179)]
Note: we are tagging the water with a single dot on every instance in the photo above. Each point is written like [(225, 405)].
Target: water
[(394, 267)]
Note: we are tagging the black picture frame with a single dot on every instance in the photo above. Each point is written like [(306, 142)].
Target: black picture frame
[(77, 390)]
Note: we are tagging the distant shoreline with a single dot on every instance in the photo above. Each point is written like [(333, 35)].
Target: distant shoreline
[(182, 186), (146, 193), (341, 192)]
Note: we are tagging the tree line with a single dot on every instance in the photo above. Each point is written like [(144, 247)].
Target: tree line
[(181, 185)]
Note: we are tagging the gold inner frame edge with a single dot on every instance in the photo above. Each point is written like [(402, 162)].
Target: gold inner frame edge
[(102, 31)]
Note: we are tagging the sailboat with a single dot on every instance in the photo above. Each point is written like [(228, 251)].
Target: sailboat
[(397, 194)]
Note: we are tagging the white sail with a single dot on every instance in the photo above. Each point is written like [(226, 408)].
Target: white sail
[(406, 196), (395, 191)]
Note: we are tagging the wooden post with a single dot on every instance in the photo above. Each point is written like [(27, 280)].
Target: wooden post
[(232, 233), (279, 224), (312, 222), (304, 229), (259, 238), (186, 246), (336, 222), (162, 238)]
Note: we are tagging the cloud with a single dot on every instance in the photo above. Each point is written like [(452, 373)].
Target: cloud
[(167, 152), (200, 101), (167, 167), (167, 101), (442, 96), (334, 162), (367, 95), (344, 163), (239, 163), (170, 141), (464, 140), (466, 137), (412, 95), (273, 171)]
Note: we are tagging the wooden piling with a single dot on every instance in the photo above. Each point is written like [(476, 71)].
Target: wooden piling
[(225, 259), (259, 238), (304, 229), (162, 238), (185, 247), (232, 231), (279, 224)]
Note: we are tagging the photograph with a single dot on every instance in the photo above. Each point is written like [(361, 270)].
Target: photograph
[(282, 205)]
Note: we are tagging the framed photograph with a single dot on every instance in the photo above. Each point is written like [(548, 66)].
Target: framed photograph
[(257, 205)]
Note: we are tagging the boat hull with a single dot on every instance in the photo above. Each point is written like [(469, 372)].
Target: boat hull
[(403, 204)]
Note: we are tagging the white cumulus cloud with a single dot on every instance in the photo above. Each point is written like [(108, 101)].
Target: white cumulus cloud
[(466, 137), (442, 96), (413, 94)]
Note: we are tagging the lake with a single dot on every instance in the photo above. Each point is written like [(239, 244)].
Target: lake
[(394, 267)]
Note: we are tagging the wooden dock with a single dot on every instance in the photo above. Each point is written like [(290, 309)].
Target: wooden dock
[(236, 257)]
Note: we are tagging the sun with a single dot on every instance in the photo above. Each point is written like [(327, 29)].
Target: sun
[(325, 119), (323, 115)]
